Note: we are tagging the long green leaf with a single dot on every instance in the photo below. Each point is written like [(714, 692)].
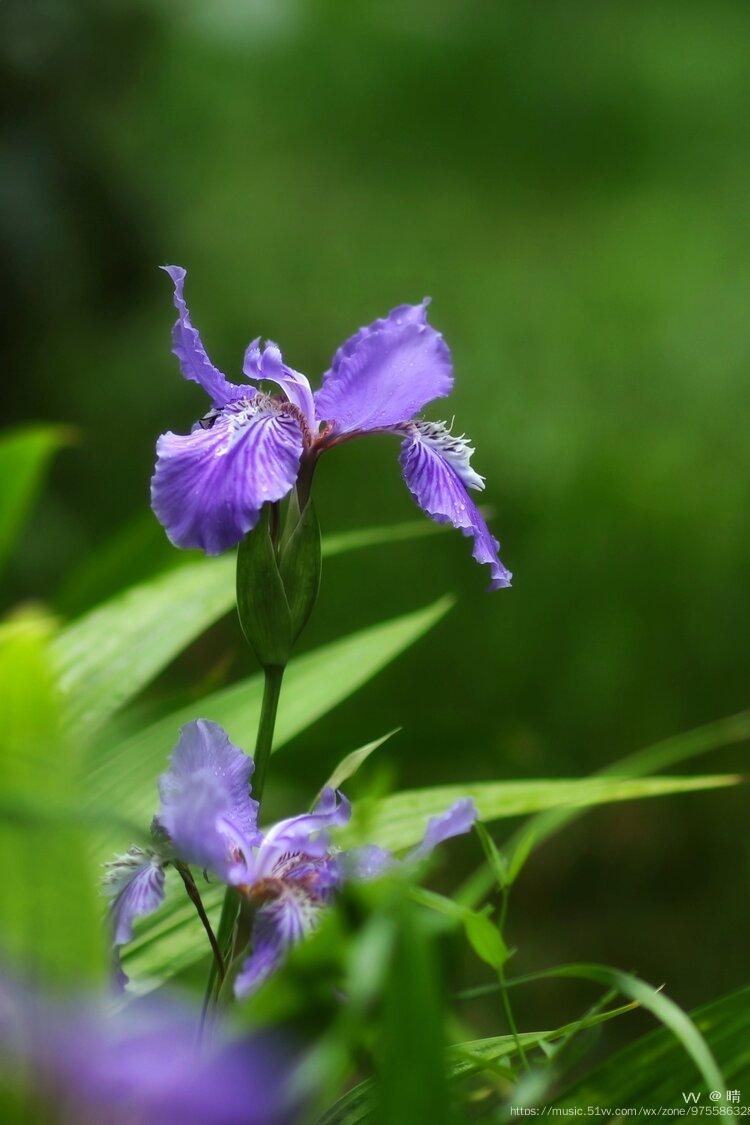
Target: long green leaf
[(659, 756), (111, 653), (24, 456), (412, 1027), (654, 1071), (49, 917), (349, 765), (399, 821), (684, 1032), (682, 1028), (126, 774), (358, 1104)]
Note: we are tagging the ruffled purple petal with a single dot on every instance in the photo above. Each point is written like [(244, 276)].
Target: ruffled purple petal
[(306, 835), (267, 363), (386, 373), (437, 472), (188, 347), (282, 920), (455, 821), (209, 486), (206, 808), (135, 884), (367, 862)]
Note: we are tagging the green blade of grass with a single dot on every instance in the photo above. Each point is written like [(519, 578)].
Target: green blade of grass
[(399, 821), (111, 653), (126, 774), (654, 1070), (24, 456)]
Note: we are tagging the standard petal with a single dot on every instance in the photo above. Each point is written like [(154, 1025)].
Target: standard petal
[(206, 807), (437, 471), (267, 363), (135, 884), (455, 821), (188, 347), (305, 835), (386, 373), (209, 486)]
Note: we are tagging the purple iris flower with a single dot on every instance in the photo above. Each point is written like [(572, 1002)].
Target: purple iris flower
[(210, 485), (286, 874), (141, 1064)]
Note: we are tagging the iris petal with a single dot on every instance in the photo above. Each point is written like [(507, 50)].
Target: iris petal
[(135, 884), (386, 373), (437, 473), (455, 821), (306, 835), (267, 363), (280, 922), (206, 808), (188, 347), (209, 486)]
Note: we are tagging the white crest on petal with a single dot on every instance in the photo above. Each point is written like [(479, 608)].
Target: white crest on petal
[(118, 872), (456, 449)]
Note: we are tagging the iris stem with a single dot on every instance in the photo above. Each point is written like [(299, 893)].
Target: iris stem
[(274, 674), (195, 898), (507, 1007), (264, 742)]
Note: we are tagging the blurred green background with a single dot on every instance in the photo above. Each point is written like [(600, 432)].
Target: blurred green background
[(569, 181)]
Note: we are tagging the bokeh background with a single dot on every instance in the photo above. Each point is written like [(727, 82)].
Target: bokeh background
[(570, 183)]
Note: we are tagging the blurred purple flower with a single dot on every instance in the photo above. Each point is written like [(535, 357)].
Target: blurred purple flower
[(141, 1064), (287, 874), (209, 486)]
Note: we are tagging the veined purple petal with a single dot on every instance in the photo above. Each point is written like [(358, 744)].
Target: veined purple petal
[(282, 920), (367, 862), (265, 958), (402, 314), (188, 347), (209, 486), (455, 821), (437, 471), (135, 884), (206, 808), (305, 835), (267, 363), (386, 373)]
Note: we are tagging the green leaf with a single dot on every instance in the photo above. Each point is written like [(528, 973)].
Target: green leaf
[(662, 755), (399, 821), (349, 765), (126, 774), (261, 599), (358, 1104), (412, 1029), (50, 919), (693, 1046), (111, 653), (24, 456), (678, 1023), (655, 1071), (485, 939)]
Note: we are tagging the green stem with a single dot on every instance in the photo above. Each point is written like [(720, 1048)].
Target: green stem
[(274, 675), (264, 742), (507, 1007)]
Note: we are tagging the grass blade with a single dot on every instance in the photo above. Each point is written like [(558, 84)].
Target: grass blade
[(399, 821)]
